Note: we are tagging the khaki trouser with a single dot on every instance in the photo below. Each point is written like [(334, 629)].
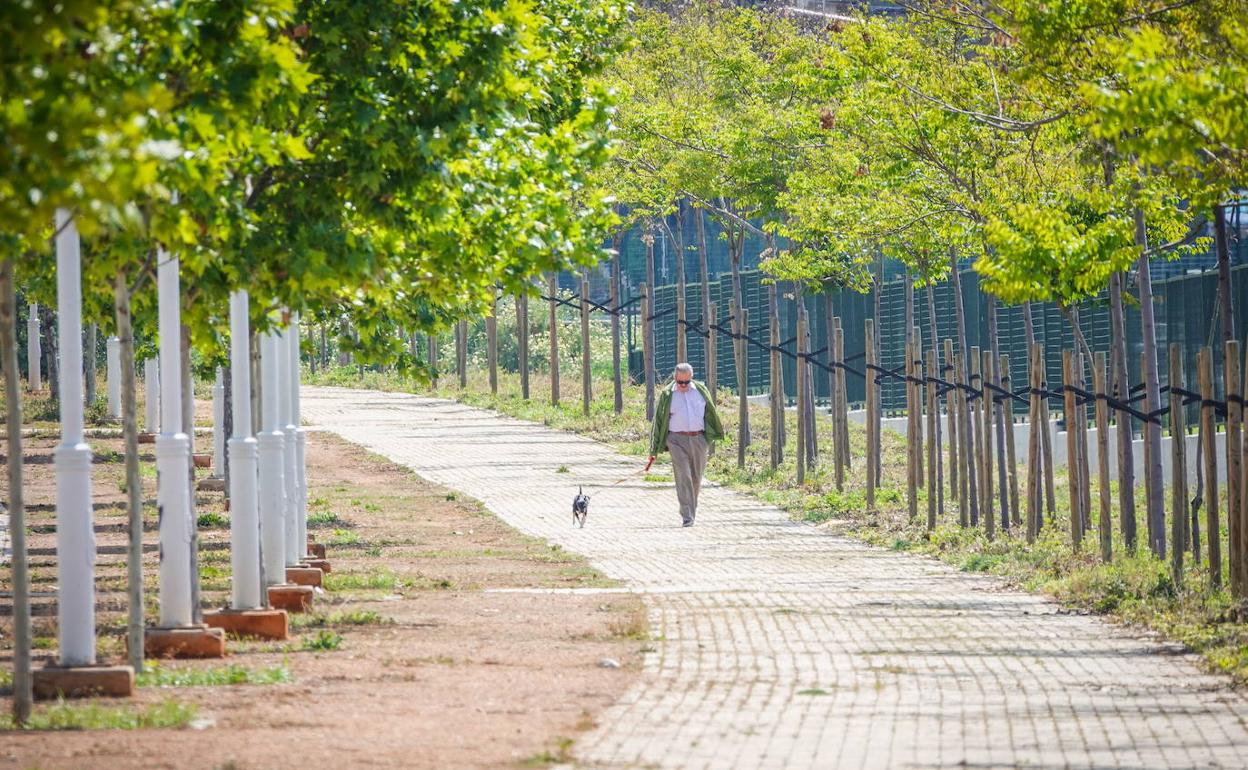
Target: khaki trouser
[(688, 462)]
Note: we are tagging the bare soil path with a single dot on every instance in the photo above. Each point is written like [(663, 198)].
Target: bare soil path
[(437, 667), (781, 646)]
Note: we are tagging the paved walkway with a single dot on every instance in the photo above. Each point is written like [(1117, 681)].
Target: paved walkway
[(779, 646)]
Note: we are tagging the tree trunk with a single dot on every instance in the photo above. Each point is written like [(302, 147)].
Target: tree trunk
[(134, 483), (1224, 273), (1122, 388), (712, 378), (22, 696), (1155, 491), (89, 362), (51, 350)]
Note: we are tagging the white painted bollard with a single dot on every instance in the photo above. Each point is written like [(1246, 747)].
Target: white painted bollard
[(151, 391), (248, 588), (300, 441), (295, 551), (218, 425), (173, 457), (272, 463), (114, 377), (75, 533), (34, 347)]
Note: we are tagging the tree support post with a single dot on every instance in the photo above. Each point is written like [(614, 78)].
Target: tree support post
[(34, 349)]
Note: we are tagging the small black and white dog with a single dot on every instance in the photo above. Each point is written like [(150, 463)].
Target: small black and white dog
[(580, 508)]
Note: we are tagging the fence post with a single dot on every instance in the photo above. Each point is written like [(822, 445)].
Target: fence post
[(522, 329), (917, 351), (1178, 470), (1233, 388), (491, 345), (1072, 448), (617, 377), (873, 445), (1204, 363), (1046, 439), (812, 432), (586, 386), (553, 288), (647, 351), (802, 395), (1013, 517), (1105, 526)]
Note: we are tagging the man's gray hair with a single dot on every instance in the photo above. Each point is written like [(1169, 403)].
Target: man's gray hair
[(684, 369)]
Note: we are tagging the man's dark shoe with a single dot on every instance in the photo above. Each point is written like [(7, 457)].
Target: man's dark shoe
[(687, 524)]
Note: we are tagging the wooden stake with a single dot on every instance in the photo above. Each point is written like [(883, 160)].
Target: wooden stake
[(522, 329), (912, 441), (1204, 363), (775, 399), (1013, 516), (712, 359), (933, 448), (802, 395), (1234, 390), (553, 287), (840, 408), (1105, 525), (647, 350), (949, 374), (1072, 465), (743, 380), (1034, 517), (1046, 439), (987, 412), (461, 353), (587, 392), (964, 501), (1178, 470), (491, 345), (873, 446)]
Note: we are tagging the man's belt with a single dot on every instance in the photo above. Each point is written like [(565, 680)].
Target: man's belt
[(688, 432)]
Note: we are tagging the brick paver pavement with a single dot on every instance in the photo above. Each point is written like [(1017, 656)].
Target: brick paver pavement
[(780, 646)]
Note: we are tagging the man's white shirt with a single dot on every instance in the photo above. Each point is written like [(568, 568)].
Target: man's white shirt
[(688, 410)]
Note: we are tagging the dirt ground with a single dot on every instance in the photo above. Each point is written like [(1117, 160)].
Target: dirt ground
[(433, 670)]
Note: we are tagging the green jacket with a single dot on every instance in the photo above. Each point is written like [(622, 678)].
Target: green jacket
[(663, 414)]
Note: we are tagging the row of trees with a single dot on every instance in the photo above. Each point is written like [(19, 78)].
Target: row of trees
[(1059, 146), (385, 166)]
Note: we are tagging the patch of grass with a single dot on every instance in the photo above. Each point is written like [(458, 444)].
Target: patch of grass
[(562, 469), (451, 496), (380, 579), (213, 520), (344, 537), (634, 625), (338, 619), (87, 715), (156, 675), (322, 642), (661, 478), (318, 519), (813, 691), (372, 507)]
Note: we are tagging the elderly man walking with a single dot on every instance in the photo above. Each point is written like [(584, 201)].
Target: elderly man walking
[(685, 423)]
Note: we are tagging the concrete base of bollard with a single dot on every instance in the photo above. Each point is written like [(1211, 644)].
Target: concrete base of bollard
[(257, 624), (51, 682), (291, 598), (196, 641), (304, 576)]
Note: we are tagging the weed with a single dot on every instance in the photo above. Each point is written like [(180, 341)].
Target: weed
[(381, 579), (559, 754), (338, 619), (323, 641), (157, 675), (317, 519), (64, 715), (212, 520), (813, 691), (562, 469)]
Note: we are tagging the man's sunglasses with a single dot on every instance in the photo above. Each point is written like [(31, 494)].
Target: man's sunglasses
[(683, 383)]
